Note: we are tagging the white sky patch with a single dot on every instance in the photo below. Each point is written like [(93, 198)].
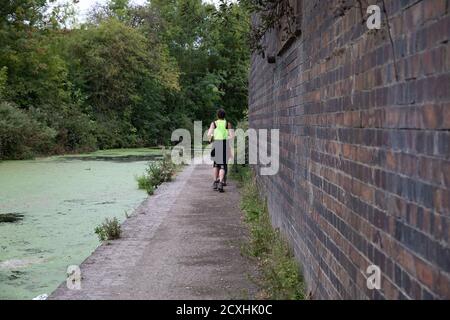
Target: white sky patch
[(84, 6)]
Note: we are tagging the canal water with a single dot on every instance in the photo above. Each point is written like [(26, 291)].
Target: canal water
[(62, 200)]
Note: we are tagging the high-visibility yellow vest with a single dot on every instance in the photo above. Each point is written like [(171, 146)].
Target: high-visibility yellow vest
[(221, 131)]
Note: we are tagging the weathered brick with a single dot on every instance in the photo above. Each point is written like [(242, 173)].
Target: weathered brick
[(365, 170), (433, 9)]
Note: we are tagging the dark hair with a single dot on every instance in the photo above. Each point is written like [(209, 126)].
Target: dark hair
[(221, 114)]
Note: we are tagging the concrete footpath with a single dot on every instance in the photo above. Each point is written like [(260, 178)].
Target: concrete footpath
[(181, 243)]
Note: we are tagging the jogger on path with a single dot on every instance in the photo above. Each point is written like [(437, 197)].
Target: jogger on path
[(219, 132)]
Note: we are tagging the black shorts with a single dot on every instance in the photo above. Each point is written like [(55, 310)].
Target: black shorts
[(219, 154)]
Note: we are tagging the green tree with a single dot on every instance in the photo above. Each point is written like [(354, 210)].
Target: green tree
[(126, 78), (230, 56), (23, 14), (121, 75), (210, 46), (21, 136)]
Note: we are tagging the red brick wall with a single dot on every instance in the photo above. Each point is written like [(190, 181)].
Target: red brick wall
[(364, 157)]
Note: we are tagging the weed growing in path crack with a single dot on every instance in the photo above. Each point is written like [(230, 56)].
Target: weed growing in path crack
[(281, 276), (109, 230)]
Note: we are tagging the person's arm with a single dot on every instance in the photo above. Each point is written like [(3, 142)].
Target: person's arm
[(211, 131), (230, 131), (230, 137)]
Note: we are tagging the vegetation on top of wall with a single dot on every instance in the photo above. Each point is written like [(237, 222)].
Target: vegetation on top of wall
[(270, 15)]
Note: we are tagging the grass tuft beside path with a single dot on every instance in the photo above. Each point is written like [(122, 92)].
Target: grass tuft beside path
[(281, 278)]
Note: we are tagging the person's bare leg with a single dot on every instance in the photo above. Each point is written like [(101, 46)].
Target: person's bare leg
[(216, 173), (216, 178), (221, 175)]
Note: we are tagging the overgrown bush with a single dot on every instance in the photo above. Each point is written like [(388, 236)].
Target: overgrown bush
[(281, 276), (109, 230), (157, 173), (145, 184), (22, 136), (76, 131)]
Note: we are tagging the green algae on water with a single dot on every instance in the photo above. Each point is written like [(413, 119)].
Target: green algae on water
[(62, 201)]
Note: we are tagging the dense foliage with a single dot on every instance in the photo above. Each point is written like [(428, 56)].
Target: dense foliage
[(126, 77)]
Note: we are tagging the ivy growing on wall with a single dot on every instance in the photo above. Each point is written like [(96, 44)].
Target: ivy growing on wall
[(283, 17), (268, 15)]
